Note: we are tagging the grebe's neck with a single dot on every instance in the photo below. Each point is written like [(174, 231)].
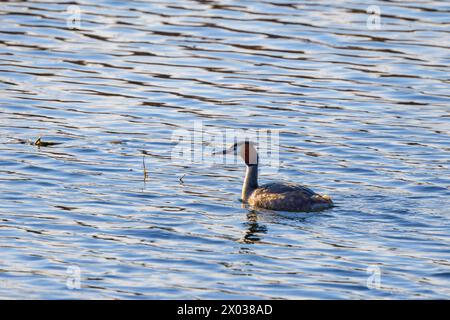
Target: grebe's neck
[(250, 181)]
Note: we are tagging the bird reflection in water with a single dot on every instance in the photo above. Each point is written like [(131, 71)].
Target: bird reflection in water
[(254, 230)]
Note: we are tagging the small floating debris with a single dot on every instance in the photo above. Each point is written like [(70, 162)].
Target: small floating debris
[(41, 143), (145, 168), (181, 178), (117, 142)]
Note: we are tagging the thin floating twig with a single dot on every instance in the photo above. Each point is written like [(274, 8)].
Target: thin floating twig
[(181, 178), (145, 168)]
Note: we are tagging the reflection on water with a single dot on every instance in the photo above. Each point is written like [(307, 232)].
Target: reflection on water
[(254, 229), (362, 112)]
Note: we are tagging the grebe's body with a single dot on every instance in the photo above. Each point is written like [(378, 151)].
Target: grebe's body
[(275, 196), (288, 197)]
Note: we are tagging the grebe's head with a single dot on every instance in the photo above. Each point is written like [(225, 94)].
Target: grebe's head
[(246, 150)]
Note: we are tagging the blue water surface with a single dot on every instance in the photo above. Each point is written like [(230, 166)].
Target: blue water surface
[(362, 111)]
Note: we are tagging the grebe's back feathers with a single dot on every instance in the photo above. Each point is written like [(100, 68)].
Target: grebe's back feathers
[(288, 197), (281, 187)]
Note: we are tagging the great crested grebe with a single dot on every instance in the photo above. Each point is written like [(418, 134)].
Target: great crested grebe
[(274, 196)]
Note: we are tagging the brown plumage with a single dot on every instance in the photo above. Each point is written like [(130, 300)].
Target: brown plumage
[(288, 197), (275, 196)]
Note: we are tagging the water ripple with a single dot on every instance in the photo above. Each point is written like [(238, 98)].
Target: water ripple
[(363, 115)]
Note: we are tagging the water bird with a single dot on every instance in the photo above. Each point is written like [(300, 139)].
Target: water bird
[(277, 196)]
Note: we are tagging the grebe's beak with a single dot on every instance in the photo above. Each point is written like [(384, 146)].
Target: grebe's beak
[(232, 149)]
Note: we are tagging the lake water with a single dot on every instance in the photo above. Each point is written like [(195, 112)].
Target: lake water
[(361, 105)]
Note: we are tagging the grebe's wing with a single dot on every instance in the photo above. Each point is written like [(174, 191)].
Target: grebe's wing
[(278, 187), (288, 197)]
